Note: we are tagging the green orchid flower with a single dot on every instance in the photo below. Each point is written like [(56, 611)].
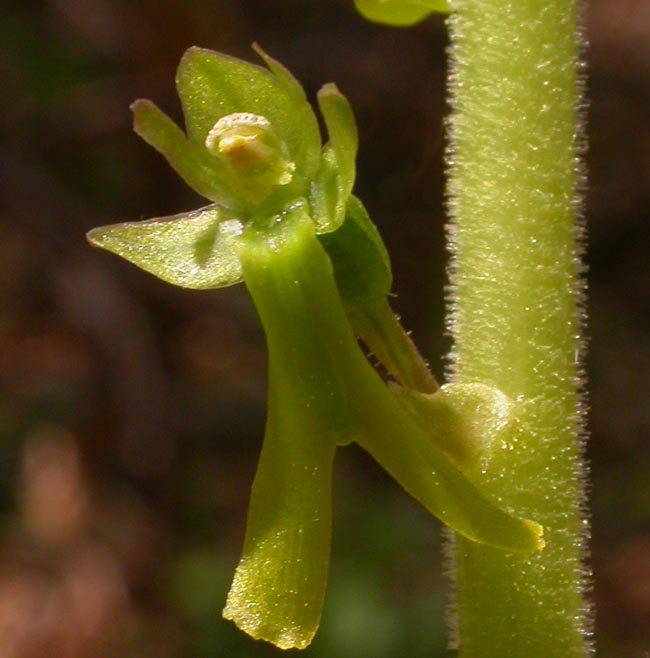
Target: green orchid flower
[(283, 220), (252, 147)]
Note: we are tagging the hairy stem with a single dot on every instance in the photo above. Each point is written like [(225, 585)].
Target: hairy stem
[(515, 311)]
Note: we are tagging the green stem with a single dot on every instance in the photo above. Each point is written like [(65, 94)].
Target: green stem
[(515, 311)]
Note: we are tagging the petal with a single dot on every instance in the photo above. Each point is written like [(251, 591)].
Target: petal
[(200, 171), (195, 249), (324, 195), (342, 132), (337, 172)]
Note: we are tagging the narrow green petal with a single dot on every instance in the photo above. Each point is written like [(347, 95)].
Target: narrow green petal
[(279, 585), (193, 164), (212, 85), (324, 195), (400, 12), (342, 147), (341, 130), (195, 249)]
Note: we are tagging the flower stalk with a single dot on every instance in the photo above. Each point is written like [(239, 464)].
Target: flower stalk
[(515, 310)]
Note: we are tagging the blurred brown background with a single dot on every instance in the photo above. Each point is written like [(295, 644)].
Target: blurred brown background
[(131, 412)]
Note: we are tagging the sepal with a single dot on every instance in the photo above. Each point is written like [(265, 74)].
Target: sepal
[(196, 249), (192, 163), (360, 260)]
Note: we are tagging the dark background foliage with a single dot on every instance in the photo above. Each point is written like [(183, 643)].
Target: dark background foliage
[(131, 412)]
